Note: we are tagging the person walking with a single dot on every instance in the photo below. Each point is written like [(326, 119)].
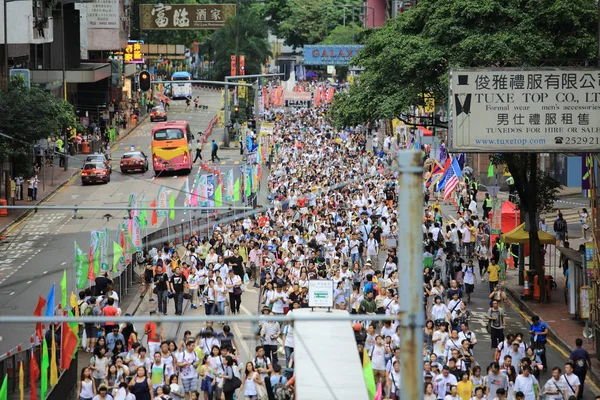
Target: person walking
[(177, 286), (161, 285), (214, 150), (497, 323), (199, 146), (539, 330), (582, 363)]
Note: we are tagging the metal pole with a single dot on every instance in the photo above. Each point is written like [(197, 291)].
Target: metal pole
[(226, 115), (7, 77), (410, 285)]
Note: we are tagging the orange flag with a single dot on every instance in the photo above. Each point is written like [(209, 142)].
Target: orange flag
[(154, 217)]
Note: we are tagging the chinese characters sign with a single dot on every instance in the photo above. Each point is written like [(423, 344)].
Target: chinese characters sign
[(103, 14), (330, 54), (184, 16), (133, 53), (537, 110)]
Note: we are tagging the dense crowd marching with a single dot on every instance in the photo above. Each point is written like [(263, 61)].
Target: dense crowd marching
[(334, 217)]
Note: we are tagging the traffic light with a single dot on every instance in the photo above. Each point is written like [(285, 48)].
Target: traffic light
[(236, 109), (145, 82)]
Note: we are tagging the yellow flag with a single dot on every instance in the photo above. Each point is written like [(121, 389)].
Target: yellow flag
[(73, 304), (53, 362), (21, 382)]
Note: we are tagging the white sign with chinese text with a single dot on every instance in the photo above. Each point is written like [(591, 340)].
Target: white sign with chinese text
[(320, 293), (103, 14), (524, 110)]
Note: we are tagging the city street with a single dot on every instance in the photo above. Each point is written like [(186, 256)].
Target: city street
[(40, 247)]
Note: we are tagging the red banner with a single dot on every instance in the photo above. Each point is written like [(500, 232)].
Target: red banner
[(265, 98), (233, 71), (242, 65), (330, 93), (318, 96)]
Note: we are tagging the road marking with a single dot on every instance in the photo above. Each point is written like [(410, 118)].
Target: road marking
[(28, 282), (11, 293)]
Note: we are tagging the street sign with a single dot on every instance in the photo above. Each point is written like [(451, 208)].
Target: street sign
[(320, 293), (184, 16)]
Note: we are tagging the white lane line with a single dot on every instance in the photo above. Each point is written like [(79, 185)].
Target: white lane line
[(11, 293), (28, 282)]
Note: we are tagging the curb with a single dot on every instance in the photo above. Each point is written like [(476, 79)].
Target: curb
[(62, 185), (556, 341)]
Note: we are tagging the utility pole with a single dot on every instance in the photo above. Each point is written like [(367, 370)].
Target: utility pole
[(64, 83), (7, 77)]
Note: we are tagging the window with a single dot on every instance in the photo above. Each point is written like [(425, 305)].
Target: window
[(168, 134)]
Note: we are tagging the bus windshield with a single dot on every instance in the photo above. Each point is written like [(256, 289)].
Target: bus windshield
[(181, 76), (168, 134)]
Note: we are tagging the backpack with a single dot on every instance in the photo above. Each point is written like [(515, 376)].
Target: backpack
[(561, 225), (280, 392), (88, 311)]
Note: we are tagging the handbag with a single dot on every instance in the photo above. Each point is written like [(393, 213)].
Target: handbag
[(261, 392), (237, 291), (232, 384)]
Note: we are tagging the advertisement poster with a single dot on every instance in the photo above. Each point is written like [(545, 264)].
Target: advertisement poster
[(210, 190), (229, 185)]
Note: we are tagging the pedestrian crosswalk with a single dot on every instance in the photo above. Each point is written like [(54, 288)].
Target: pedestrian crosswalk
[(571, 215)]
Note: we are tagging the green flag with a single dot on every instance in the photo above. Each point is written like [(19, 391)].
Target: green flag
[(143, 218), (491, 170), (44, 370), (117, 254), (171, 205), (63, 290), (82, 265), (236, 190), (219, 196), (4, 388), (248, 186)]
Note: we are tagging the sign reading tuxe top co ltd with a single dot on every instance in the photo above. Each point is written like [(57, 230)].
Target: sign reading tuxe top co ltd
[(524, 110), (330, 54)]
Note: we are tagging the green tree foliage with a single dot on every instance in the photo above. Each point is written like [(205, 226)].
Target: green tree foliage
[(348, 34), (412, 54), (301, 22), (253, 43), (29, 115)]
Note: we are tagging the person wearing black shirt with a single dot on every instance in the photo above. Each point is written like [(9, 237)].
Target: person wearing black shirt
[(236, 262), (102, 283), (178, 285), (161, 280)]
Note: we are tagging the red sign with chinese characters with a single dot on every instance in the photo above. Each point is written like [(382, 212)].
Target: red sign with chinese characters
[(233, 71)]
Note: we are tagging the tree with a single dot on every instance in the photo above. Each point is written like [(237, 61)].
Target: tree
[(411, 55), (344, 34), (253, 43), (29, 115)]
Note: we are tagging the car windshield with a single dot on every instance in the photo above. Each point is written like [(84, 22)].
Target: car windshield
[(96, 157), (168, 134), (158, 109), (93, 166), (132, 155)]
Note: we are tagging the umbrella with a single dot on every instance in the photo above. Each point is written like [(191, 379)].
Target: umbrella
[(311, 74)]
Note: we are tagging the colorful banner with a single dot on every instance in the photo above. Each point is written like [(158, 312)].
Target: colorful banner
[(203, 192), (233, 66), (330, 54), (229, 183), (162, 202), (188, 194), (243, 65), (255, 179), (132, 203), (210, 190), (81, 268), (95, 244), (136, 234), (591, 257), (104, 262)]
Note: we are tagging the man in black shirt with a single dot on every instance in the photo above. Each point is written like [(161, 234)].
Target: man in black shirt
[(102, 283), (161, 280), (178, 285), (236, 262)]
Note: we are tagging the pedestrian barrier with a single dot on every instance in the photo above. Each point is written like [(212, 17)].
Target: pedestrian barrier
[(3, 210)]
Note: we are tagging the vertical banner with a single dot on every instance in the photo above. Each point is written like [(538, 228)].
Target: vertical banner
[(127, 248), (587, 164), (188, 194), (243, 65), (132, 203), (203, 192), (136, 234), (104, 262), (162, 202), (210, 190), (81, 268), (330, 93), (95, 251), (255, 179), (590, 258), (229, 192), (265, 96), (233, 68)]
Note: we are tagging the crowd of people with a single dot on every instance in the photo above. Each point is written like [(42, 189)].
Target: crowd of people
[(334, 216)]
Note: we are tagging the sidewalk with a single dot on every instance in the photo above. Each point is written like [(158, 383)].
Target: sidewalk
[(52, 179), (563, 327)]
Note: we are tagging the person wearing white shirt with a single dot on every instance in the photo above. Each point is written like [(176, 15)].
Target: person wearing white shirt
[(556, 388), (453, 395), (467, 334), (439, 338), (525, 383), (571, 380), (377, 355), (277, 300), (443, 383)]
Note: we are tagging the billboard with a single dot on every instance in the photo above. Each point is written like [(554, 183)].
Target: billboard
[(133, 52), (524, 110), (184, 16), (330, 54), (103, 14)]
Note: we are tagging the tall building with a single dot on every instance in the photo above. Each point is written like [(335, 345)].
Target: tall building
[(376, 12)]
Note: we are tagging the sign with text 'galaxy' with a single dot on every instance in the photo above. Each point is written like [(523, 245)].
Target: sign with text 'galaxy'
[(330, 54)]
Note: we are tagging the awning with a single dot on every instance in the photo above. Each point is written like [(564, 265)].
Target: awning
[(425, 131), (519, 235)]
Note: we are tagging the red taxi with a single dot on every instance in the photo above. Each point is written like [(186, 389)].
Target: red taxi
[(134, 160), (93, 172), (158, 114)]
